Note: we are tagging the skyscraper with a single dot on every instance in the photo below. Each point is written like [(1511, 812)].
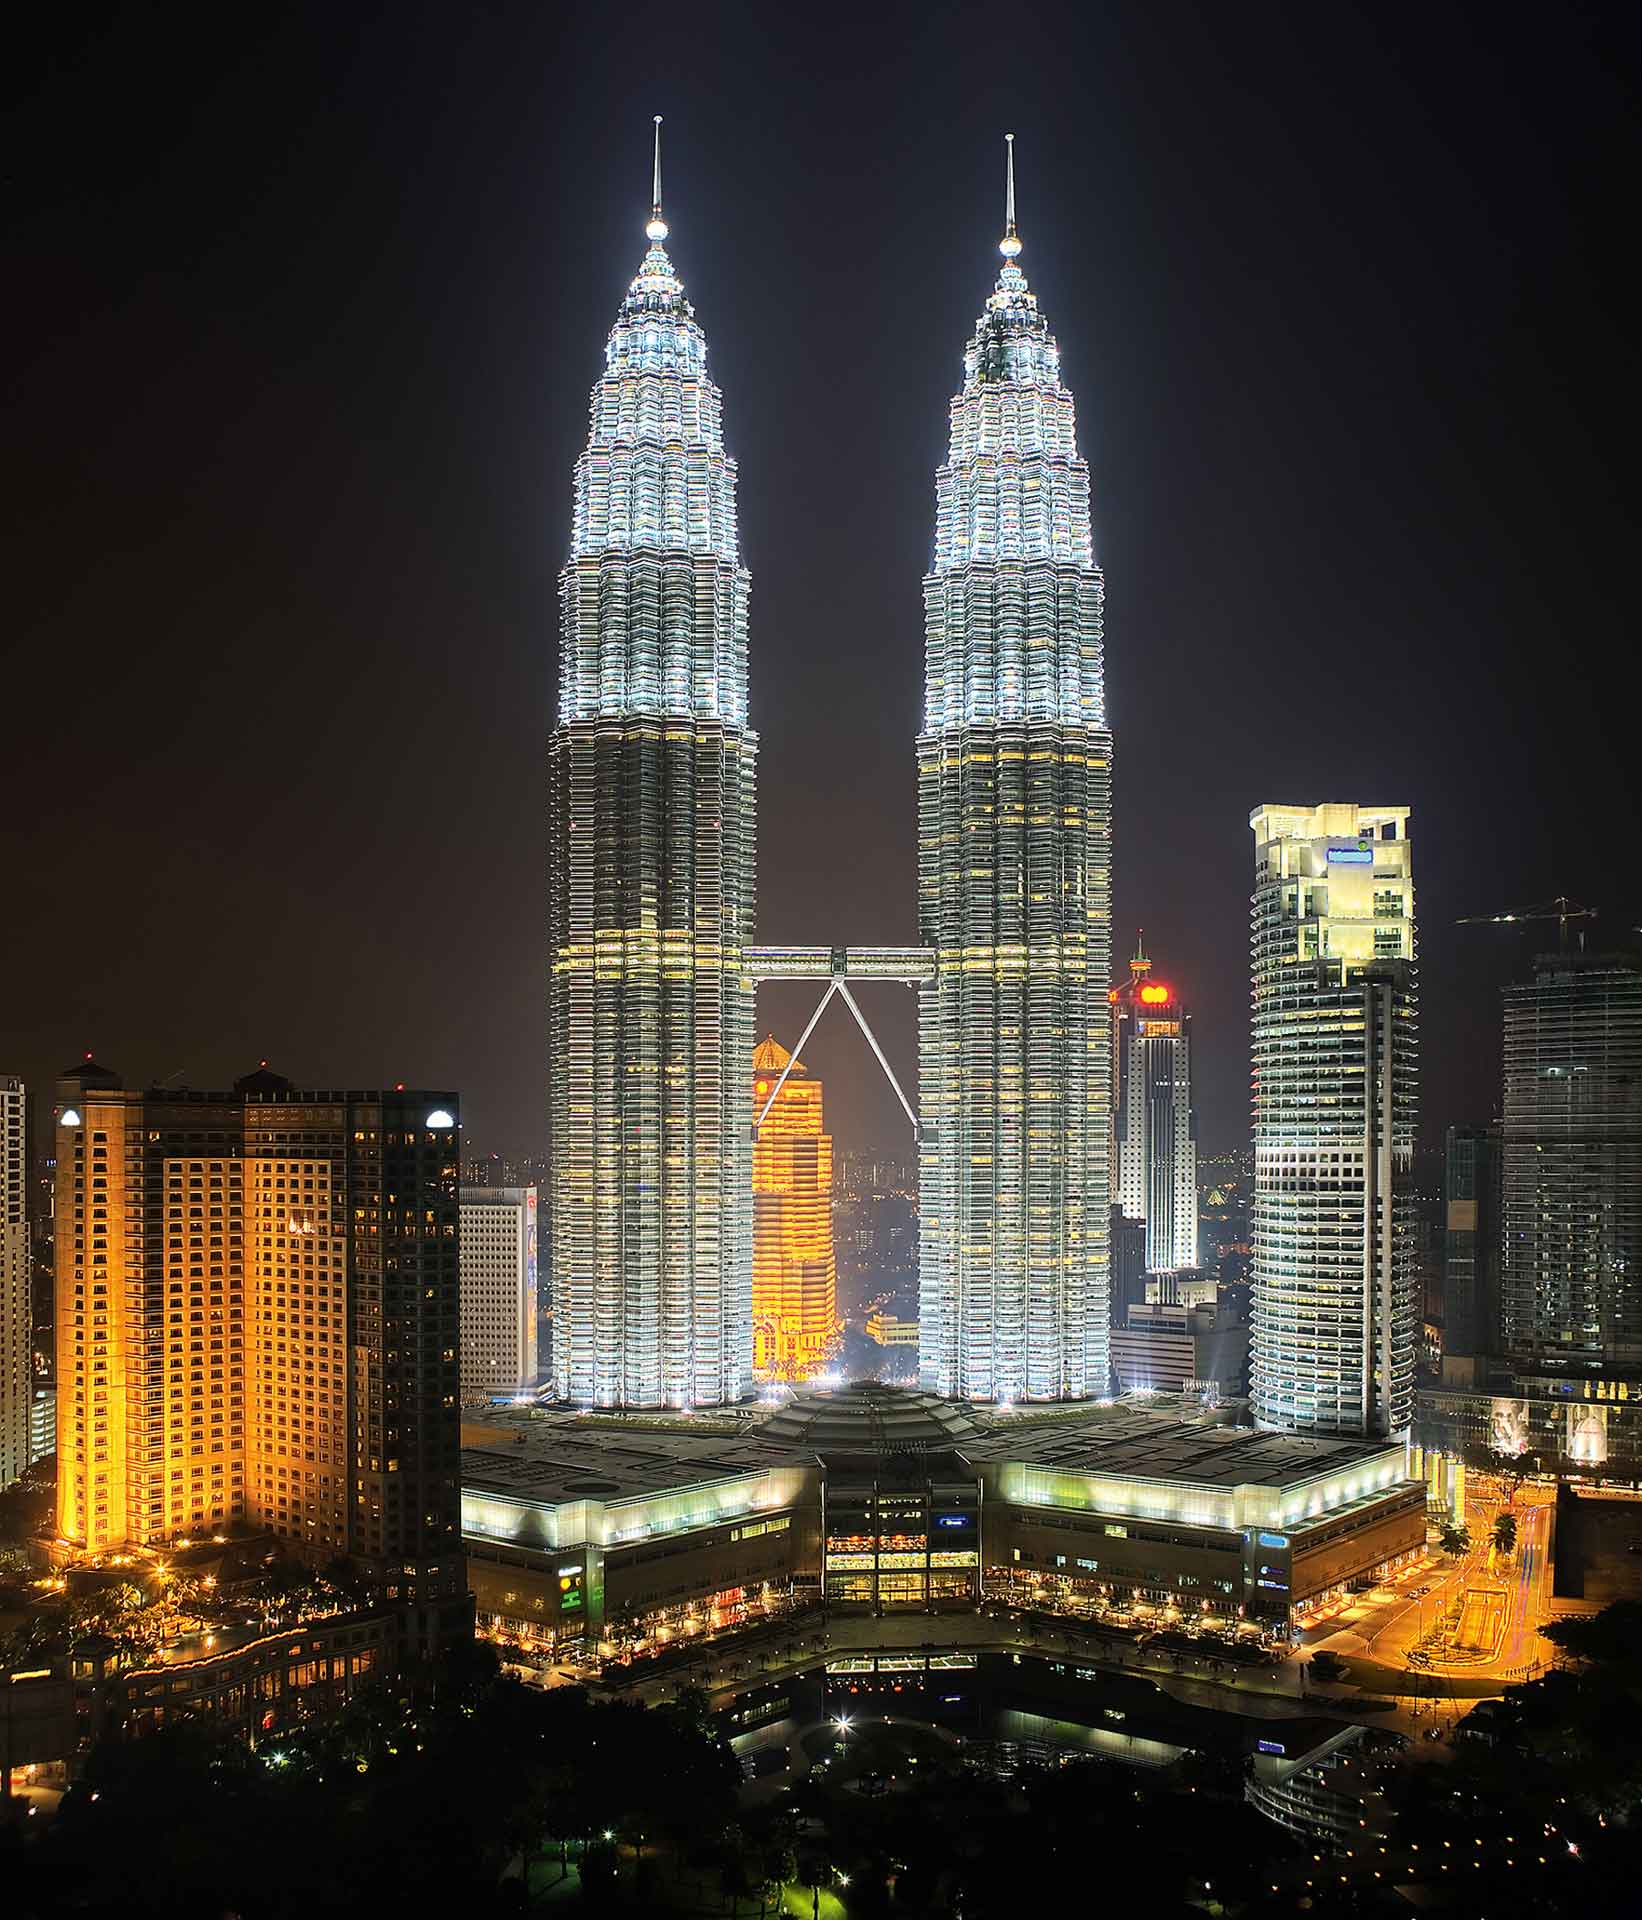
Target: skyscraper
[(1471, 1246), (1571, 1256), (1156, 1129), (1014, 885), (795, 1273), (16, 1358), (498, 1291), (651, 827), (257, 1321), (1335, 1092)]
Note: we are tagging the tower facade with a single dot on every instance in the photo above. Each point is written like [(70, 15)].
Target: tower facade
[(16, 1355), (1335, 1099), (1156, 1130), (651, 819), (1570, 1283), (1014, 886), (795, 1271)]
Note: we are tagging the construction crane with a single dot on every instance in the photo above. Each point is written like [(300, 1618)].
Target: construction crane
[(1561, 910)]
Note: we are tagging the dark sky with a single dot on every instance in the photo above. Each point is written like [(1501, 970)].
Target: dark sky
[(305, 304)]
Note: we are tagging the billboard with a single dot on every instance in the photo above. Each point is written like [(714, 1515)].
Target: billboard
[(1508, 1427), (1587, 1440)]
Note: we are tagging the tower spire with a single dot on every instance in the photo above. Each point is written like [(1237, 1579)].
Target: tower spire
[(657, 229), (1010, 244)]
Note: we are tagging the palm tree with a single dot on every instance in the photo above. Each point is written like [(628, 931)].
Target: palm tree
[(1505, 1533), (1456, 1540)]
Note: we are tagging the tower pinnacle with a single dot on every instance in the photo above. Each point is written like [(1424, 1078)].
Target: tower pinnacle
[(657, 229), (1009, 246)]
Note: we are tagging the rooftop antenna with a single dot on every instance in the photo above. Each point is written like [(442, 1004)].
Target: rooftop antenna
[(657, 229)]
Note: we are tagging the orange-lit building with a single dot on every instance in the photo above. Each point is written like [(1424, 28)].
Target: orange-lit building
[(795, 1273), (257, 1324)]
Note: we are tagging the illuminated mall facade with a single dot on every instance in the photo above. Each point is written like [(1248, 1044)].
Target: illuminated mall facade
[(590, 1536)]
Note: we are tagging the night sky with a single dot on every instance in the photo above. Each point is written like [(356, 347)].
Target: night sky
[(304, 309)]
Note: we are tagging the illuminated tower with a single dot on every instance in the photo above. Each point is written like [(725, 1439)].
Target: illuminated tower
[(1335, 1098), (795, 1275), (1570, 1276), (1156, 1133), (1014, 885), (651, 816), (257, 1310), (16, 1362)]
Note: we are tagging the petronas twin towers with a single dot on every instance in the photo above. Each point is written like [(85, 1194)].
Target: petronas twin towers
[(651, 886)]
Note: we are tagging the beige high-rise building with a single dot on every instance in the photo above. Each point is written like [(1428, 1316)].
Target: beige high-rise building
[(499, 1317), (16, 1370), (795, 1272), (257, 1321)]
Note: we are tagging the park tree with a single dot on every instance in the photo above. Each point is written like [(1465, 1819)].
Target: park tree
[(1456, 1539), (1505, 1533)]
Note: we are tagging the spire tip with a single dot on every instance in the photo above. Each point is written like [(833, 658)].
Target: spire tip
[(1010, 244), (656, 231)]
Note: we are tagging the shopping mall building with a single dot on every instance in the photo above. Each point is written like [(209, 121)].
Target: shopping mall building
[(589, 1531)]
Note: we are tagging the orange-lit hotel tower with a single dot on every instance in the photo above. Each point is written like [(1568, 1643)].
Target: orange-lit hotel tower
[(257, 1305), (795, 1273)]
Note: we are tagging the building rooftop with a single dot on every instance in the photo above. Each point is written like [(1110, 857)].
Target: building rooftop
[(865, 1416), (1152, 1443), (555, 1456)]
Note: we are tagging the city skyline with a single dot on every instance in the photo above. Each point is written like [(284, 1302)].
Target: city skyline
[(1173, 364)]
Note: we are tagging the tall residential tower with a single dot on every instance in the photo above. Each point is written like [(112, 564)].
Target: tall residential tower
[(257, 1321), (1014, 885), (651, 816), (16, 1356), (1335, 1093)]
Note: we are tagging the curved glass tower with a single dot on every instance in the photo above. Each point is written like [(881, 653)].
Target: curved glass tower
[(651, 782), (1014, 885)]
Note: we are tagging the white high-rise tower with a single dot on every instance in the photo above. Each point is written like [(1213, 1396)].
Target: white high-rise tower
[(1014, 885), (1335, 1099), (650, 1007)]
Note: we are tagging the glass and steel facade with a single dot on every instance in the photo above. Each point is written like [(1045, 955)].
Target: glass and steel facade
[(1571, 1148), (651, 779), (1334, 1091), (1014, 887)]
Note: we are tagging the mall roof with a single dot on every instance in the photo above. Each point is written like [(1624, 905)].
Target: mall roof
[(1127, 1441), (555, 1456)]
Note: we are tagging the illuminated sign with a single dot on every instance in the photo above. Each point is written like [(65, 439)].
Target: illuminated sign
[(1594, 1389), (1270, 1746), (1274, 1539), (570, 1589), (1277, 1586), (954, 1519), (1155, 994), (1358, 856)]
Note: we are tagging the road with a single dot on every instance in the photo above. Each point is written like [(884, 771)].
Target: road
[(1503, 1600)]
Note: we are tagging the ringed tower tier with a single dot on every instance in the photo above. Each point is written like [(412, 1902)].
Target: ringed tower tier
[(651, 785), (1014, 885)]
